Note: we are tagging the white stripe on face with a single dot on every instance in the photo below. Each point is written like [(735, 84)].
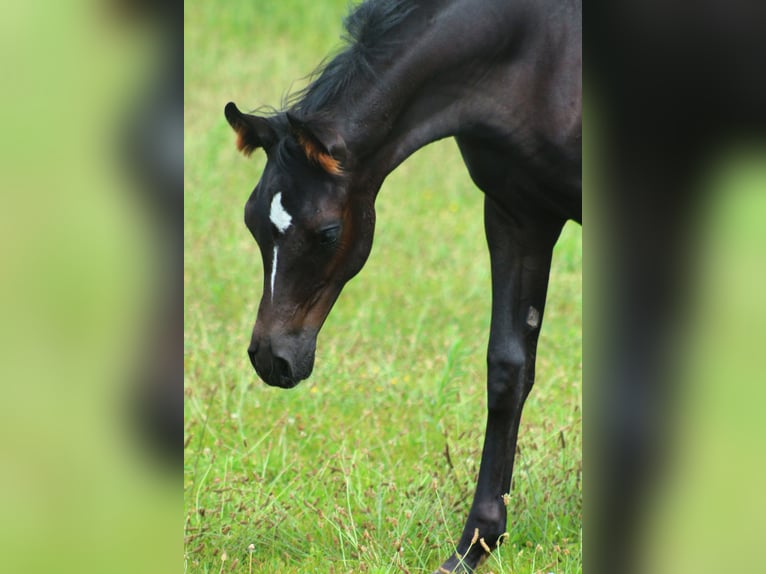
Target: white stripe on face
[(273, 272), (279, 217), (281, 220)]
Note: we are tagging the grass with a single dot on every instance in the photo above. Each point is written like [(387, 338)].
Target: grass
[(370, 465)]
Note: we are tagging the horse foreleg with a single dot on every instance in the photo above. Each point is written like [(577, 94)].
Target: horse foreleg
[(520, 254)]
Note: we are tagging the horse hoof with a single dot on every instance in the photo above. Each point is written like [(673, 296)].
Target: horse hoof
[(454, 566)]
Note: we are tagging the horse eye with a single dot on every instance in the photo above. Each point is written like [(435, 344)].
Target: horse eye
[(329, 235)]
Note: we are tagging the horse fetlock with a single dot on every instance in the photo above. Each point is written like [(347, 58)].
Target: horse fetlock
[(488, 523)]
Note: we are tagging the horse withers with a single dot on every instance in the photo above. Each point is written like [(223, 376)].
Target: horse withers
[(502, 78)]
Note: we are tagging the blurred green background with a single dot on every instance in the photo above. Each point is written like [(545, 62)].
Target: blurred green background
[(709, 512), (704, 512), (79, 488)]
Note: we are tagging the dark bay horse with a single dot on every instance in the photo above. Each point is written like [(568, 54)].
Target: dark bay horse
[(501, 77)]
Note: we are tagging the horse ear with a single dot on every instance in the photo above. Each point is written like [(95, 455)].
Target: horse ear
[(252, 131), (323, 146)]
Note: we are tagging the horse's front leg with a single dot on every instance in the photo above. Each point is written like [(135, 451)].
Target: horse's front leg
[(520, 253)]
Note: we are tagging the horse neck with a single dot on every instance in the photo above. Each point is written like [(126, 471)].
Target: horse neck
[(418, 93)]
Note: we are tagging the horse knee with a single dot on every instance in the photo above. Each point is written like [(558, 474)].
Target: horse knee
[(507, 380)]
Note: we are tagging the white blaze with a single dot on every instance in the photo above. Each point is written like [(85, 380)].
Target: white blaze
[(273, 271), (281, 220), (279, 217)]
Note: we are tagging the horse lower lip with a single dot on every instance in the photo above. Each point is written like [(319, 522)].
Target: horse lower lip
[(275, 380), (283, 383)]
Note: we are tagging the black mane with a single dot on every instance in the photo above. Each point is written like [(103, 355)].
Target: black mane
[(366, 27)]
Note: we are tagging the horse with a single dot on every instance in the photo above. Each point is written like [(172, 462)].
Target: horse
[(503, 78)]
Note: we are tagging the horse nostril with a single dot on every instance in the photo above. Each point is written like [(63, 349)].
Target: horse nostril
[(272, 368), (282, 368)]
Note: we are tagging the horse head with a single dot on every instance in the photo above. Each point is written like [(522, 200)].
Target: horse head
[(313, 233)]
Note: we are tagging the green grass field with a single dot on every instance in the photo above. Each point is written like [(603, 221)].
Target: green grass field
[(370, 465)]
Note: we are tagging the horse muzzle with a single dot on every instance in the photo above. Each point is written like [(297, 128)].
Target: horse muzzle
[(283, 361)]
